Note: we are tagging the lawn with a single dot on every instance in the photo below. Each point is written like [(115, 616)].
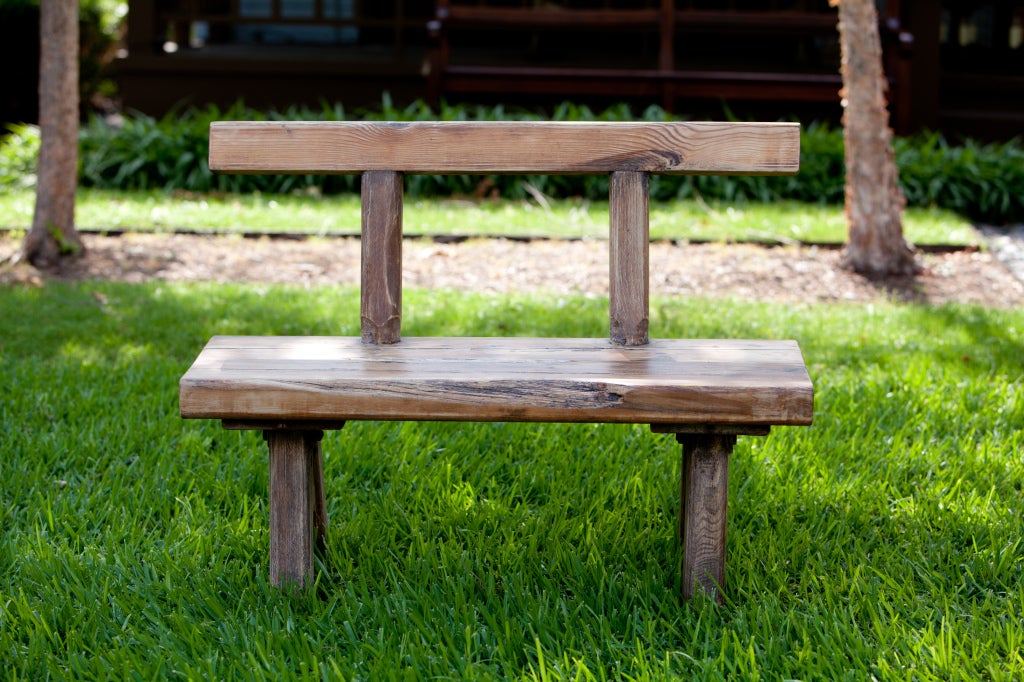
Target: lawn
[(785, 221), (884, 541)]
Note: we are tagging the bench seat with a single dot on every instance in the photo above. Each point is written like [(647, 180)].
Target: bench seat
[(668, 381)]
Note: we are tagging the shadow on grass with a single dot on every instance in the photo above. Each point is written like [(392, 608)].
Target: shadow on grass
[(93, 338), (892, 521)]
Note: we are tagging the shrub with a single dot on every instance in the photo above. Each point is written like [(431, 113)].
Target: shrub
[(982, 181), (18, 155)]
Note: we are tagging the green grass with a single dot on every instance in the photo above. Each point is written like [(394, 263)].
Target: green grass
[(885, 541), (100, 210)]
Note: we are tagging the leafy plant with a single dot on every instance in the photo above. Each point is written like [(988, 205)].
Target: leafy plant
[(982, 181), (19, 151)]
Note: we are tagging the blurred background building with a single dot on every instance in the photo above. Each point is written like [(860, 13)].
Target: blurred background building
[(953, 65)]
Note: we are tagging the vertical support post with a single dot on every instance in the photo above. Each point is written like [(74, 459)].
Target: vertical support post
[(703, 503), (666, 53), (629, 251), (297, 506), (381, 303), (315, 453)]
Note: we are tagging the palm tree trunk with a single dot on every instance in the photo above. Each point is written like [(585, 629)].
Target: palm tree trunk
[(53, 232), (874, 201)]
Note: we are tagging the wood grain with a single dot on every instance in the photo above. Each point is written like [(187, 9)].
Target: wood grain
[(705, 391), (629, 253), (292, 507), (505, 147), (703, 506), (316, 462), (669, 381), (381, 269)]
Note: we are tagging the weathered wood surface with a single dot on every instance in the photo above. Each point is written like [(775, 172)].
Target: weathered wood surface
[(291, 425), (315, 456), (713, 429), (294, 498), (381, 268), (704, 391), (505, 147), (668, 381), (703, 505), (629, 258)]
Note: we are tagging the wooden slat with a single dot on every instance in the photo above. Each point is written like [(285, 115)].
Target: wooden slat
[(505, 147), (494, 379), (381, 265), (762, 23), (667, 21), (528, 17), (640, 82), (547, 80), (629, 252)]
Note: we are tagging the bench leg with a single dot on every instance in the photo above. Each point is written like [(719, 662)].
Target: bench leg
[(703, 501), (298, 510)]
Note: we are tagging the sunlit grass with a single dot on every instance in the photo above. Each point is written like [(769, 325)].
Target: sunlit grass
[(884, 541), (100, 210)]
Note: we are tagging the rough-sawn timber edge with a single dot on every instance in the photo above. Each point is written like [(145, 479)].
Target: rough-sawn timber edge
[(669, 381)]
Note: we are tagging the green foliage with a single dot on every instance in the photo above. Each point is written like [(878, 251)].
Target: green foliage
[(883, 542), (110, 14), (100, 23), (984, 182), (19, 151), (20, 6)]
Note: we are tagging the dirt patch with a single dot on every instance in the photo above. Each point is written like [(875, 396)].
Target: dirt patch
[(790, 273)]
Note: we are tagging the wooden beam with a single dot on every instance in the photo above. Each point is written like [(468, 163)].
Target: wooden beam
[(381, 269), (629, 262), (509, 148), (703, 505), (759, 22), (528, 17), (298, 519)]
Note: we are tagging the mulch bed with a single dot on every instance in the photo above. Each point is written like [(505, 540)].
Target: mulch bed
[(743, 271)]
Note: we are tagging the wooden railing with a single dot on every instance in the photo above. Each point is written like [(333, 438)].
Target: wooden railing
[(668, 71)]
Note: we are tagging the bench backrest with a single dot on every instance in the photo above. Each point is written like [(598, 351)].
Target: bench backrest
[(382, 152)]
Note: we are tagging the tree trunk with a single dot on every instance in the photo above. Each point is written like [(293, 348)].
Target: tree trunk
[(53, 232), (874, 201)]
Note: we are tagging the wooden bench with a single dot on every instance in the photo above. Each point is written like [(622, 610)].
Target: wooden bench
[(706, 392)]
